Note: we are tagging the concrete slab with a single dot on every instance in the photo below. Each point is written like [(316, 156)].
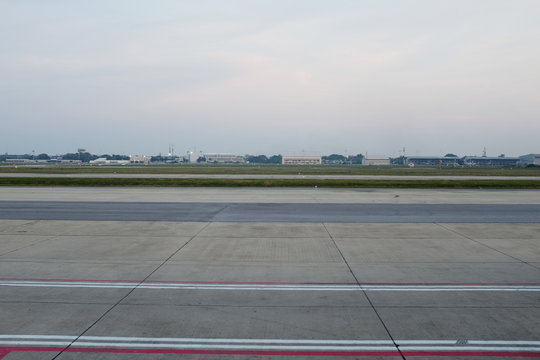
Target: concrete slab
[(102, 248), (59, 295), (266, 230), (523, 249), (462, 323), (389, 231), (10, 243), (497, 231), (248, 271), (458, 299), (301, 299), (273, 195), (101, 228), (417, 250), (296, 250), (48, 318), (78, 270), (10, 226), (241, 322), (446, 272)]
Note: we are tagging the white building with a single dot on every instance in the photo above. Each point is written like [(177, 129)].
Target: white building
[(376, 160), (530, 159), (301, 160), (139, 159), (192, 157), (103, 161), (219, 158)]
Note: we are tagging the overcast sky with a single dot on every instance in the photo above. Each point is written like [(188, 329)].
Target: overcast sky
[(267, 77)]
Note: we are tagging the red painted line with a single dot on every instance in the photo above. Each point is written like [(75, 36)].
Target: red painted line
[(473, 353), (267, 283), (6, 350), (171, 282), (204, 352)]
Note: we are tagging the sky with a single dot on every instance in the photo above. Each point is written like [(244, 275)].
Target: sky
[(270, 77)]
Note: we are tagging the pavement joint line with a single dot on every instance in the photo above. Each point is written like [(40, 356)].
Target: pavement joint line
[(364, 292), (212, 219), (485, 245), (284, 306), (132, 290), (51, 237)]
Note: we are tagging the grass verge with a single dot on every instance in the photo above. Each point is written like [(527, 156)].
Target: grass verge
[(326, 183), (275, 170)]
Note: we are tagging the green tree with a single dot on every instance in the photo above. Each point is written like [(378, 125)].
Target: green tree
[(257, 159), (355, 159), (275, 159), (334, 159)]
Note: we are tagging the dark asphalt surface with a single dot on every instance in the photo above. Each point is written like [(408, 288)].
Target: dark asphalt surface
[(269, 212)]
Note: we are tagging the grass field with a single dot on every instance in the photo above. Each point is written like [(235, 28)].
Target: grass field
[(327, 183), (273, 170)]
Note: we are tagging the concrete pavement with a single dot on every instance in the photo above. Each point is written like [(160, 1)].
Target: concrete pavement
[(241, 290), (270, 195)]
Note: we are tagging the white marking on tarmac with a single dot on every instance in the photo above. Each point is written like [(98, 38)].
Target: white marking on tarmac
[(269, 287), (270, 344)]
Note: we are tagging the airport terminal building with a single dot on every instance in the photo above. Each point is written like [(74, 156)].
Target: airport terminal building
[(222, 158), (530, 159), (490, 161), (432, 161)]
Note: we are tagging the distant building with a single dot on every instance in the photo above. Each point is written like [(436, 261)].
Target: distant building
[(20, 160), (376, 160), (224, 158), (530, 159), (490, 161), (301, 160), (138, 159), (192, 157), (104, 161), (432, 161)]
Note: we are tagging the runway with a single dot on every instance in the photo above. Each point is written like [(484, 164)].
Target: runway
[(296, 274), (269, 212)]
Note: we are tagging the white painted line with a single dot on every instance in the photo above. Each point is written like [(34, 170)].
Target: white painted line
[(236, 347), (36, 343), (312, 345), (56, 337), (499, 342), (272, 287), (244, 341), (467, 342)]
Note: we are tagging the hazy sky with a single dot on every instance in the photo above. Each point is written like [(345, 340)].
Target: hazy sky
[(264, 77)]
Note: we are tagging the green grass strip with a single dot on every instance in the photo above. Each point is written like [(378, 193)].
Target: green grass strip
[(326, 183), (275, 170)]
